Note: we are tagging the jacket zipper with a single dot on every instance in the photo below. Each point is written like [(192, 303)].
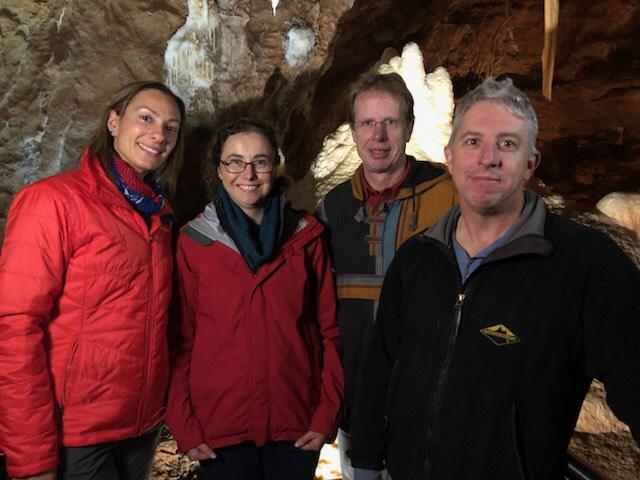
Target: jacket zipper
[(439, 389), (458, 309), (454, 335), (148, 335)]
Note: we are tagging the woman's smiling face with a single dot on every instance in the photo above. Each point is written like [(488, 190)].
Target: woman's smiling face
[(147, 131), (249, 188)]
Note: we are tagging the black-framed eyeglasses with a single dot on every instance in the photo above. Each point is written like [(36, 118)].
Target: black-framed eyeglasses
[(260, 165)]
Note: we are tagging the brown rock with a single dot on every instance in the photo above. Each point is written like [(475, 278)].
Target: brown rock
[(60, 60)]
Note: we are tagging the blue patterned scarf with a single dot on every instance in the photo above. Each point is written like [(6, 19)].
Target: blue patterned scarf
[(144, 204)]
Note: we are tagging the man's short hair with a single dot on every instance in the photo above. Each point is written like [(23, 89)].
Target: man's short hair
[(504, 93), (391, 83)]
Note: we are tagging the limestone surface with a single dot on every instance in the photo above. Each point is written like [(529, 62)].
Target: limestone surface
[(291, 62), (623, 209)]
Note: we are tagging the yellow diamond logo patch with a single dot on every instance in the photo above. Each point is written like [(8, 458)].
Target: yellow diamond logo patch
[(500, 335)]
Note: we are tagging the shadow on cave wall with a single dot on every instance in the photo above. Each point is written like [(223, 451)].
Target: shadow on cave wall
[(583, 169), (198, 180)]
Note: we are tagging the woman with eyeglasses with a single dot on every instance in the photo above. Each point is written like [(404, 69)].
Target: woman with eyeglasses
[(257, 381)]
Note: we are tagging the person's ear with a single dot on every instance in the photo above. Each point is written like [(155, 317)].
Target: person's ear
[(532, 163), (448, 156), (409, 131), (113, 121)]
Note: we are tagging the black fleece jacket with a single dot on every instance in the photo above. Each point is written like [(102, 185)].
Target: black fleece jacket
[(484, 380)]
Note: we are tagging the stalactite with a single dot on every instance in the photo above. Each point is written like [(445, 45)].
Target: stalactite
[(188, 58), (551, 10)]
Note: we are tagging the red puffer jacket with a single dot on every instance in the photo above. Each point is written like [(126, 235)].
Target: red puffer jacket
[(84, 292), (258, 355)]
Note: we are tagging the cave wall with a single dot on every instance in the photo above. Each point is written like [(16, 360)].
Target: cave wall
[(61, 59)]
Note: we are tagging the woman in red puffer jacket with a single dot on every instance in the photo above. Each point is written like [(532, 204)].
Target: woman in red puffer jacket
[(85, 282)]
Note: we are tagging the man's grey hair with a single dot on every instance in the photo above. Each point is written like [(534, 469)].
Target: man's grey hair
[(504, 93)]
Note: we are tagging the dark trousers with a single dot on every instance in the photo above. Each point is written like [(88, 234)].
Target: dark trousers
[(273, 461), (128, 459), (3, 469)]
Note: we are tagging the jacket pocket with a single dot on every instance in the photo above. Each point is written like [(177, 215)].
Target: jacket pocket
[(67, 371), (517, 444)]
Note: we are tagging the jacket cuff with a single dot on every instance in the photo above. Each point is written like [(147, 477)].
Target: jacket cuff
[(366, 463), (376, 464), (366, 474), (188, 438), (328, 429)]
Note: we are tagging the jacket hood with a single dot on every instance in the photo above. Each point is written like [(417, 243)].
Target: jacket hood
[(422, 176), (207, 228)]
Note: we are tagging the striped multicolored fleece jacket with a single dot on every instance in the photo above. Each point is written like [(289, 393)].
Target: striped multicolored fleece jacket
[(363, 243)]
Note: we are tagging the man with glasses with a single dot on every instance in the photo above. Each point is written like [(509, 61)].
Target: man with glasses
[(493, 322), (390, 198)]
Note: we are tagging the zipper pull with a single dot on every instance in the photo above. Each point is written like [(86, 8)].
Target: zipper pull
[(458, 310)]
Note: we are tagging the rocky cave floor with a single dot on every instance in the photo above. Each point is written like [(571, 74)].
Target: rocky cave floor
[(614, 455), (172, 465)]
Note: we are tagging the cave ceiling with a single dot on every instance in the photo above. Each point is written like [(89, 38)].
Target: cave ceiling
[(61, 59)]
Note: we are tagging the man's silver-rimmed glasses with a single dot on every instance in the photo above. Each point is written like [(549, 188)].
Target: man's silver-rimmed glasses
[(369, 125)]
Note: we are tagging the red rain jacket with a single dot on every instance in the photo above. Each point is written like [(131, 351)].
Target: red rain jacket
[(258, 356)]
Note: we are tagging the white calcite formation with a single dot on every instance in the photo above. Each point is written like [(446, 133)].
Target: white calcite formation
[(188, 62), (239, 56), (623, 209), (338, 159), (433, 103), (206, 57), (298, 43)]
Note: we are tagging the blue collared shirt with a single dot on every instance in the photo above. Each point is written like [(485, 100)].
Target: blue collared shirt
[(466, 263)]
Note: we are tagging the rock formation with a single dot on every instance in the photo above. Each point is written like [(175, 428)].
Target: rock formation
[(623, 209), (291, 62)]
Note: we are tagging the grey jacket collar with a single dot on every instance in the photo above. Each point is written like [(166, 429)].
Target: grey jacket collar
[(206, 228), (527, 238)]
